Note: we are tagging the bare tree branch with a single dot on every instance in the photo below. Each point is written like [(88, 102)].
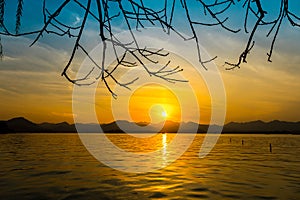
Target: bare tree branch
[(137, 15)]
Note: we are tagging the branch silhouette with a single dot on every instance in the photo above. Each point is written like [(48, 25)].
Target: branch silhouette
[(137, 15)]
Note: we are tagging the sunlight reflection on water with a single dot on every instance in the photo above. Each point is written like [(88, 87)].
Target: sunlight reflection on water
[(164, 148)]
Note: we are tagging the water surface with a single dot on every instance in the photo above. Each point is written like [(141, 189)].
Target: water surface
[(57, 166)]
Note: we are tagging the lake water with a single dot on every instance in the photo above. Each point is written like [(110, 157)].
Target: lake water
[(57, 166)]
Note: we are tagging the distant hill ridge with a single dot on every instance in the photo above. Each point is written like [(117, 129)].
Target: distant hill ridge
[(22, 125)]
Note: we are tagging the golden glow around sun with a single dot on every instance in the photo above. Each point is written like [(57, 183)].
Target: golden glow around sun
[(154, 103)]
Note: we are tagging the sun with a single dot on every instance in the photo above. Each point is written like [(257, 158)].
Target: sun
[(164, 114), (154, 103)]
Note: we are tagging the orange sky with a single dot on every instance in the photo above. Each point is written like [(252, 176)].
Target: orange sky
[(154, 102)]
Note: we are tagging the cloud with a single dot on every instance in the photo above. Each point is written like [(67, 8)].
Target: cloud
[(63, 114), (78, 19), (18, 56)]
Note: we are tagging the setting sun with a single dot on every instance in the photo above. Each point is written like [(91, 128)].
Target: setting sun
[(154, 103), (164, 114)]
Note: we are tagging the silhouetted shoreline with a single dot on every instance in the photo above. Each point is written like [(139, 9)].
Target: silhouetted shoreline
[(22, 125)]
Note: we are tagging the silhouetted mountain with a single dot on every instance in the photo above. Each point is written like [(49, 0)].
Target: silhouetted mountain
[(62, 127), (4, 128), (263, 127), (22, 125)]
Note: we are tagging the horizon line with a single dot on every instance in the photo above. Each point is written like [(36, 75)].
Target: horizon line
[(258, 120)]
